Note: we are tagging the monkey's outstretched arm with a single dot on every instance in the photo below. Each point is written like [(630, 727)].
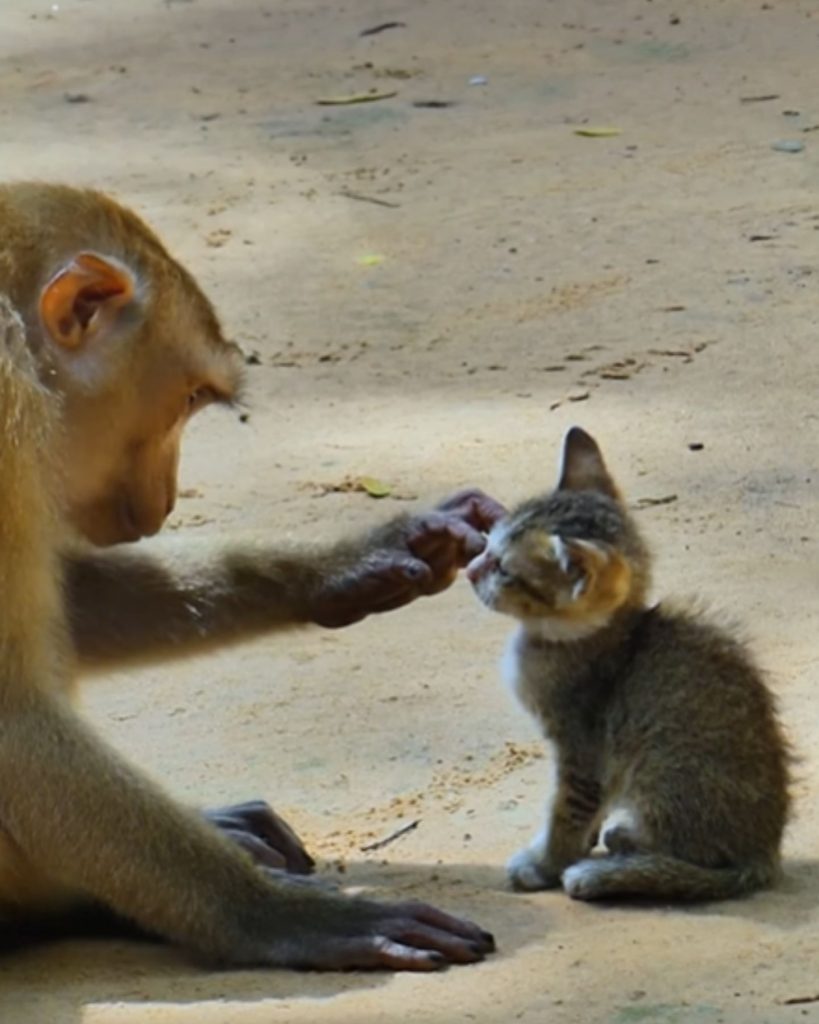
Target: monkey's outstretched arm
[(131, 605), (135, 605)]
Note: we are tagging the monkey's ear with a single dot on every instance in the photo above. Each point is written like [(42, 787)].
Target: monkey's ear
[(84, 298), (582, 467)]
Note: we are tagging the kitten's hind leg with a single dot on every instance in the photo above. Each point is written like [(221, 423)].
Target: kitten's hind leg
[(662, 877), (623, 831)]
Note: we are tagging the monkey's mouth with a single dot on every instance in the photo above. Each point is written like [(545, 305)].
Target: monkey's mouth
[(101, 526), (103, 536), (121, 518)]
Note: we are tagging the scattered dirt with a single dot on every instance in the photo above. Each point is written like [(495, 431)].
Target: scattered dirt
[(416, 289)]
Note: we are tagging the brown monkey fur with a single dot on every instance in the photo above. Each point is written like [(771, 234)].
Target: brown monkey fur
[(107, 347)]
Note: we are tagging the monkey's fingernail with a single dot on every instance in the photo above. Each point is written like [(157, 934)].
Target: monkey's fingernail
[(488, 938)]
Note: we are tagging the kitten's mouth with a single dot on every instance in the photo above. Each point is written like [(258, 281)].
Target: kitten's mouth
[(485, 585), (480, 567), (477, 572)]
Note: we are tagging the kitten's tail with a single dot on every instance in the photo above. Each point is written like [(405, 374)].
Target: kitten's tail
[(659, 876)]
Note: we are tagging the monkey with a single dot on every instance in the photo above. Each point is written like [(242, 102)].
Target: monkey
[(108, 347)]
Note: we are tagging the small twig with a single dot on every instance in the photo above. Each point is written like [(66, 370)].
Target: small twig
[(369, 199), (379, 844), (382, 28), (799, 1000), (676, 353), (651, 502)]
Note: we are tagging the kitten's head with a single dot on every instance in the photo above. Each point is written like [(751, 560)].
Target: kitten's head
[(570, 559)]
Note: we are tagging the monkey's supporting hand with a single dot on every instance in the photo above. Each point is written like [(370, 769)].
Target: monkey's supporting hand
[(408, 936), (409, 557), (259, 831)]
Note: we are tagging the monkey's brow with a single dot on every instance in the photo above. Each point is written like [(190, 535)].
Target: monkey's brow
[(228, 376), (234, 394)]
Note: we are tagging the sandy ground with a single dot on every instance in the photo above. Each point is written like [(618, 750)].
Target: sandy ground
[(657, 286)]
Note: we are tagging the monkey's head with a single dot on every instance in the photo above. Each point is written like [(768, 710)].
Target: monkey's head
[(134, 348)]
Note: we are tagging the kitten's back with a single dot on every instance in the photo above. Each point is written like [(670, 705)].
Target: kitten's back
[(696, 707)]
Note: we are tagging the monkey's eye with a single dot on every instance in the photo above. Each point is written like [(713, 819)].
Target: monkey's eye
[(199, 398)]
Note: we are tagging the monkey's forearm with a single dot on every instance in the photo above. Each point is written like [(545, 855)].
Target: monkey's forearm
[(131, 605)]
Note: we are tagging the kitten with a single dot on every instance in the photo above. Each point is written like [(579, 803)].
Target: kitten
[(667, 749)]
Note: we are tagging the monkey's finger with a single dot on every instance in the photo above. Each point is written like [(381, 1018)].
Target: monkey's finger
[(444, 541), (395, 565), (373, 953), (469, 542), (399, 956), (386, 579), (399, 599), (439, 919), (455, 948), (257, 848), (264, 821), (382, 572), (389, 577), (278, 834), (444, 563), (461, 499), (478, 508), (256, 818), (484, 512)]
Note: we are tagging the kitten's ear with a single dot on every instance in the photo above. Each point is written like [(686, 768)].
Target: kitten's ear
[(582, 467), (604, 575)]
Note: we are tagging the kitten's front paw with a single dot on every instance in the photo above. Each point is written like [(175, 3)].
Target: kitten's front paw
[(582, 880), (528, 873)]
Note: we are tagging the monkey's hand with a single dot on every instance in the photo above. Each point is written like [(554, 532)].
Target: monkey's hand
[(269, 840), (410, 557), (363, 935)]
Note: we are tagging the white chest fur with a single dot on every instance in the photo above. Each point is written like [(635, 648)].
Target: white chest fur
[(518, 671)]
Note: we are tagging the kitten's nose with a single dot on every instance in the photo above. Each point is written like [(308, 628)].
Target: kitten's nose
[(480, 566)]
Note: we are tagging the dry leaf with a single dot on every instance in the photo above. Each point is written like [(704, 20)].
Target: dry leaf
[(355, 485), (597, 133), (375, 488)]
